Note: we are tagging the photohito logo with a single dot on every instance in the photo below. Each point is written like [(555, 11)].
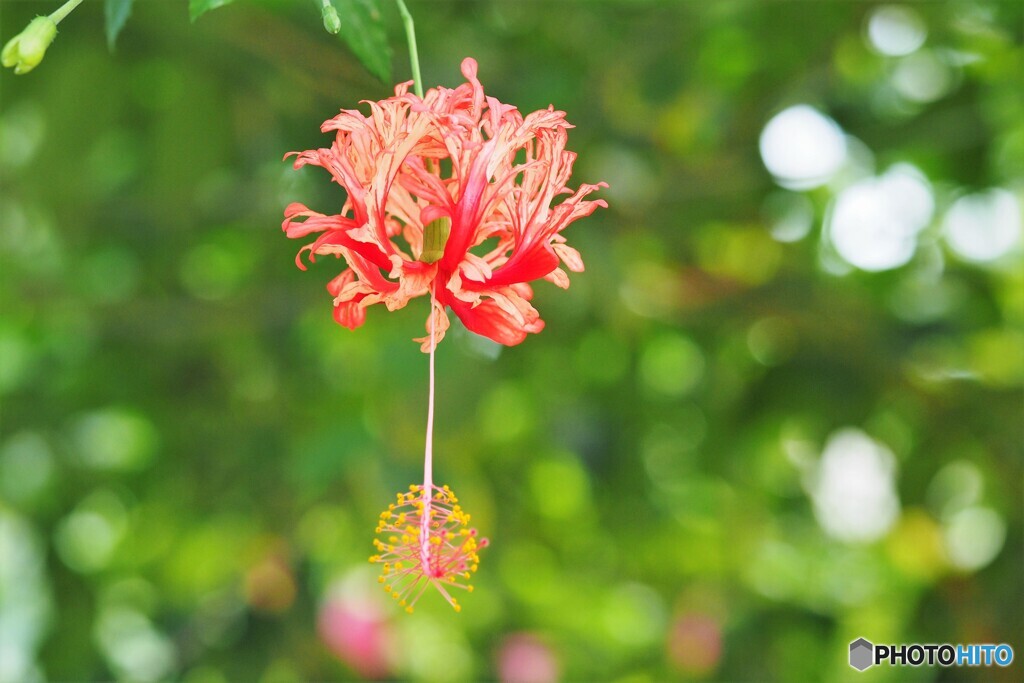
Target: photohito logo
[(864, 654)]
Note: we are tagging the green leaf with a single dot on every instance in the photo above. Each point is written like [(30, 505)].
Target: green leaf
[(197, 8), (116, 13), (362, 29)]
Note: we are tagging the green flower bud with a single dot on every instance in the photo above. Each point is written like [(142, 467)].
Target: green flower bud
[(25, 50), (331, 20)]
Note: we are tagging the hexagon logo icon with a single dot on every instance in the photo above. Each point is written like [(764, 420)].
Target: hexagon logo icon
[(861, 654)]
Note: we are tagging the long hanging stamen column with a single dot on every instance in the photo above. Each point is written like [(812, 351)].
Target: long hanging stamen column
[(428, 451)]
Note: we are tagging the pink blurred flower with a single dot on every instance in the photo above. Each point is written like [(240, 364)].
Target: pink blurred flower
[(525, 658), (450, 194), (694, 644), (355, 630), (437, 548)]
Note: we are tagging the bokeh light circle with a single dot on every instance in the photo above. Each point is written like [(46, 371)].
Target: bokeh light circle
[(874, 223), (895, 31), (802, 147), (984, 226)]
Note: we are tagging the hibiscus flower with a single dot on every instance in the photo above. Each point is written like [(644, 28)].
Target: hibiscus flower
[(454, 195)]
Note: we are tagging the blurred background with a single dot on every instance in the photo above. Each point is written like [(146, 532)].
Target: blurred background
[(779, 411)]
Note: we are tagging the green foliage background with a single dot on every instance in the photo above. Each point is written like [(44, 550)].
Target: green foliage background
[(192, 453)]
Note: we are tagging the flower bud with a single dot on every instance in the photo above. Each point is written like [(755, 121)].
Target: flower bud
[(331, 20), (25, 50)]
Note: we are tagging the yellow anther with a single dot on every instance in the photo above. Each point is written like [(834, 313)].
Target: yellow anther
[(436, 540), (392, 539), (402, 603), (380, 579), (457, 608), (469, 588), (395, 595), (409, 609)]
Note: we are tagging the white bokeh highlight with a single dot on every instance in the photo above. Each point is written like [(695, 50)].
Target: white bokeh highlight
[(802, 148), (983, 227), (895, 31), (922, 77), (974, 536), (853, 488), (874, 223)]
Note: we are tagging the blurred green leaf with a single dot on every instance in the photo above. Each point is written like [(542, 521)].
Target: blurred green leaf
[(362, 29), (116, 13), (197, 8)]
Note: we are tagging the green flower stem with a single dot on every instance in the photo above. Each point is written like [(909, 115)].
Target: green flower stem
[(417, 79), (414, 57), (64, 10)]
